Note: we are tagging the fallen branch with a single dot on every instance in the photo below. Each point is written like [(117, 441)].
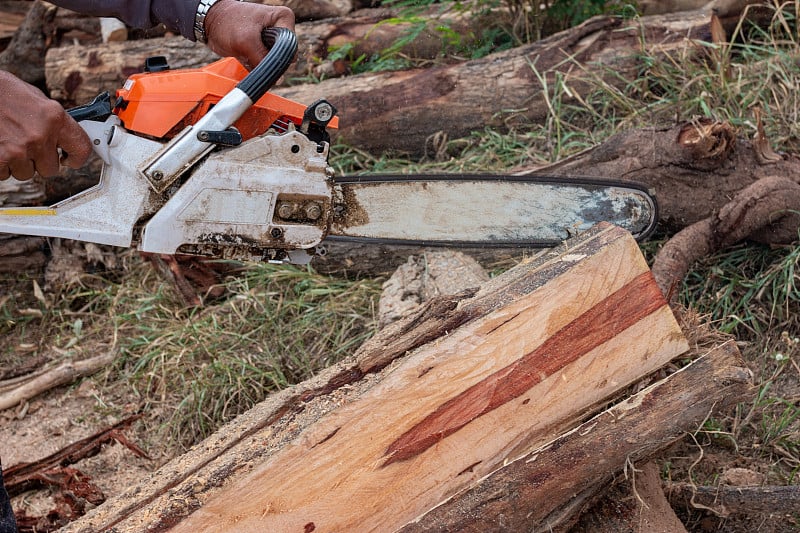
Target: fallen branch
[(727, 500), (72, 488), (49, 379), (751, 212)]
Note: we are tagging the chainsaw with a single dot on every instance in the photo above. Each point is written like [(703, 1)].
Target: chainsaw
[(207, 162)]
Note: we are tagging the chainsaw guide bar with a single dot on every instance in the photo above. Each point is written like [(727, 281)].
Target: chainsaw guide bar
[(485, 210)]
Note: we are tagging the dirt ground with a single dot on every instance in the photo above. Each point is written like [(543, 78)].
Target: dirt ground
[(66, 415)]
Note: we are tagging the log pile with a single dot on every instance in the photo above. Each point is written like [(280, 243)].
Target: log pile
[(481, 411)]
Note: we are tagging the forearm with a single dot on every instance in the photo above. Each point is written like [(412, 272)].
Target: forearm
[(176, 15)]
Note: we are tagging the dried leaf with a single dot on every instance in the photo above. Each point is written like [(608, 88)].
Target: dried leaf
[(39, 294), (761, 146)]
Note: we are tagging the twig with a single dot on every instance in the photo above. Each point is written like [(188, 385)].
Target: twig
[(60, 375)]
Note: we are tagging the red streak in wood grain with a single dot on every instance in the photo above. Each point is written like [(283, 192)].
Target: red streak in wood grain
[(607, 319)]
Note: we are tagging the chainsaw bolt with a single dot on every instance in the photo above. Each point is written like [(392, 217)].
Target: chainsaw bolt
[(276, 233), (323, 112), (313, 210), (158, 175), (285, 210), (96, 142)]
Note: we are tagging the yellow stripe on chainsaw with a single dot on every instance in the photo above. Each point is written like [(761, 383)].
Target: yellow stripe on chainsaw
[(30, 211)]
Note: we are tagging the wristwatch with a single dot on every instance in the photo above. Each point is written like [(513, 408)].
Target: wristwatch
[(200, 19)]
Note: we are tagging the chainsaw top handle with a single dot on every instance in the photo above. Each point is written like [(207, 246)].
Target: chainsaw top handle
[(196, 140), (282, 45)]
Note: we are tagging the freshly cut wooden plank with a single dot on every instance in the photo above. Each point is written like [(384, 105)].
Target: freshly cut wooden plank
[(547, 487), (429, 407)]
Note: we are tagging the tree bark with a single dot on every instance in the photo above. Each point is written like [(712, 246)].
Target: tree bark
[(393, 111), (24, 55), (429, 407), (726, 500)]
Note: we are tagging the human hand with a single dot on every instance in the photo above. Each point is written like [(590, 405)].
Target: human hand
[(233, 29), (32, 129)]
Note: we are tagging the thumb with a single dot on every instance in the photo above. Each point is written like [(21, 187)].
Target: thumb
[(75, 144)]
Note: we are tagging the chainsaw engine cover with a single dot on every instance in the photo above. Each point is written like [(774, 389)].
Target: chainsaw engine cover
[(161, 104), (260, 200)]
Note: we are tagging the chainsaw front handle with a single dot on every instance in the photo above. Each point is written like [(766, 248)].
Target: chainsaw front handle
[(282, 45), (191, 144)]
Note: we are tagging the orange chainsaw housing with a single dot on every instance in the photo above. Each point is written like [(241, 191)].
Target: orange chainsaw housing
[(161, 104)]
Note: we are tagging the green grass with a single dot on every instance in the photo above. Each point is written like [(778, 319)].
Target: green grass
[(727, 82), (199, 367), (748, 289)]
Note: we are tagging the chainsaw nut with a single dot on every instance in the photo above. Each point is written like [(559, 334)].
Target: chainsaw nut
[(323, 112), (286, 210), (313, 210)]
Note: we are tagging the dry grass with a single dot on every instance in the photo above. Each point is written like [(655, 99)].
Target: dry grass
[(193, 369)]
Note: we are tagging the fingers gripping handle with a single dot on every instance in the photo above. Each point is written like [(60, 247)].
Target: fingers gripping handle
[(282, 44)]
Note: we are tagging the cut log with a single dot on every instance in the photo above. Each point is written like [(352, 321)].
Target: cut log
[(14, 192), (423, 277), (12, 13), (24, 55), (429, 407), (392, 110), (401, 111), (318, 9), (71, 28), (113, 30), (76, 74), (549, 486)]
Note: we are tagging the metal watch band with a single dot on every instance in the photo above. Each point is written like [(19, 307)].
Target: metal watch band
[(200, 19)]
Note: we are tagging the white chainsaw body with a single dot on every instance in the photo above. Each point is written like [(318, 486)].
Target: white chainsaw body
[(226, 207)]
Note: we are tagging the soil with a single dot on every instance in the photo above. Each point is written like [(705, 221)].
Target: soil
[(47, 424)]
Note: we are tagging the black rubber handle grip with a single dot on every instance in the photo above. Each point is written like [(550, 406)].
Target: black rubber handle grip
[(282, 44), (98, 109)]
